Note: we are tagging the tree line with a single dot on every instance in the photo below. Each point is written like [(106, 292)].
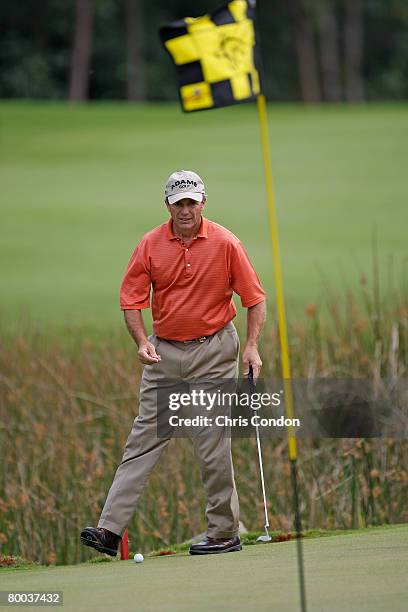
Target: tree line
[(312, 50)]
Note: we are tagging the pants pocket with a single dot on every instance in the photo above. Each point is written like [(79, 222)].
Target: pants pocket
[(155, 341), (229, 337)]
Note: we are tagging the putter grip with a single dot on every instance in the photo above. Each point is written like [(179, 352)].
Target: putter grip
[(251, 379)]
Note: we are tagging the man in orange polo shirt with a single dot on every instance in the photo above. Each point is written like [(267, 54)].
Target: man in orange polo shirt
[(192, 267)]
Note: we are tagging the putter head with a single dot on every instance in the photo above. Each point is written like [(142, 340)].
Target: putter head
[(264, 538)]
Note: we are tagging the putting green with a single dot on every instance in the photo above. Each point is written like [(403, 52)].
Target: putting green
[(364, 572)]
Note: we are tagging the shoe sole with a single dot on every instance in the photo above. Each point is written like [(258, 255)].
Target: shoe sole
[(216, 552), (88, 540)]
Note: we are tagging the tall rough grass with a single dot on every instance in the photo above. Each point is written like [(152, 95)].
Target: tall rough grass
[(66, 411)]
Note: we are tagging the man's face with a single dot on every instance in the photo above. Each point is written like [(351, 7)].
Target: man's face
[(186, 213)]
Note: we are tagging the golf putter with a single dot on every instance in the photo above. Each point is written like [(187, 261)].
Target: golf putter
[(266, 537)]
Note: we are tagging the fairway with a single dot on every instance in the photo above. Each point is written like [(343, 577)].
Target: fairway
[(80, 186), (362, 572)]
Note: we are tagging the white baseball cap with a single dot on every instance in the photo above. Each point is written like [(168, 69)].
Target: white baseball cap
[(184, 184)]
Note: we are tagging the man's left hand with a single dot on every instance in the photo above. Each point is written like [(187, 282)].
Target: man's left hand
[(250, 356)]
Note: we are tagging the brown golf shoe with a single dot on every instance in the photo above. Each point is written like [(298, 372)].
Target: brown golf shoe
[(101, 539), (212, 546)]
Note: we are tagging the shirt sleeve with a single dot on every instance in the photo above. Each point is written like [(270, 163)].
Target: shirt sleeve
[(244, 280), (136, 284)]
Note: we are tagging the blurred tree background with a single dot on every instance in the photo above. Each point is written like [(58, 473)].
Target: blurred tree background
[(313, 50)]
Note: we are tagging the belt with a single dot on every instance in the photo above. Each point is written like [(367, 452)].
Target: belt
[(200, 339)]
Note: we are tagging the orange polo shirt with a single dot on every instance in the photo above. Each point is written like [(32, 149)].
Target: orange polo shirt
[(191, 286)]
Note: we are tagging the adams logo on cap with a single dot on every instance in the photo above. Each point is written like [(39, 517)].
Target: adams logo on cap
[(184, 184)]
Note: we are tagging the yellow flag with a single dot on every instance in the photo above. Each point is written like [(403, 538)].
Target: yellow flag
[(215, 56)]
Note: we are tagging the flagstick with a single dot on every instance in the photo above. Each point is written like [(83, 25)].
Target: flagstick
[(283, 335)]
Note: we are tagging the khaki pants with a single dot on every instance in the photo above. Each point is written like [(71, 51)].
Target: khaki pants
[(215, 358)]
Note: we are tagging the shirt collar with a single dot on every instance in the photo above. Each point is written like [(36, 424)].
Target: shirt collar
[(202, 231)]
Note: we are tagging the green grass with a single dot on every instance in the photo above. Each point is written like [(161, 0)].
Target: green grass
[(80, 185), (359, 572)]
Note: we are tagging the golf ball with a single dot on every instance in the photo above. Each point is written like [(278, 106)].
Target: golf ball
[(138, 558)]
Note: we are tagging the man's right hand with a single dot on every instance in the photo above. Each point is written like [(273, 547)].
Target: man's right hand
[(147, 353), (134, 322)]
